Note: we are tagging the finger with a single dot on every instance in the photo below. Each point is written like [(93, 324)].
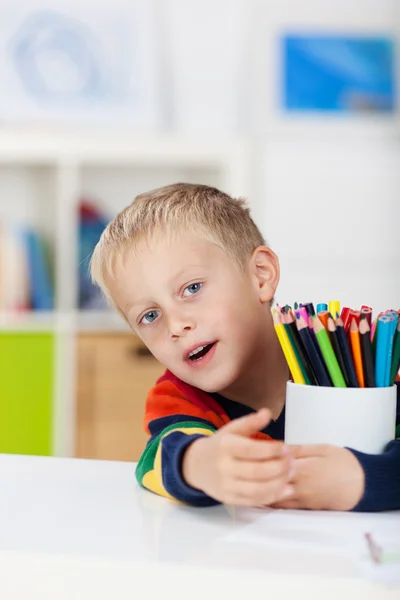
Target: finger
[(249, 424), (261, 470), (290, 503), (308, 450), (260, 493), (242, 448)]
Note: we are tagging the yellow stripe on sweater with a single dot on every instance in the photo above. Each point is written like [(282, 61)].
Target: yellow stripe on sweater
[(152, 480)]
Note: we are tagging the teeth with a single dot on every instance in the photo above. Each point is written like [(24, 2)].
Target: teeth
[(196, 351)]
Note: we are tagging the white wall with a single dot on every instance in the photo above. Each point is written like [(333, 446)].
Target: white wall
[(326, 190), (329, 200)]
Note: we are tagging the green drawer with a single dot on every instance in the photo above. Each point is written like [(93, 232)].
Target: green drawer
[(26, 392)]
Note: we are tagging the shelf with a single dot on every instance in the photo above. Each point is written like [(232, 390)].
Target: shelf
[(62, 321), (114, 149), (105, 321), (28, 321), (44, 174)]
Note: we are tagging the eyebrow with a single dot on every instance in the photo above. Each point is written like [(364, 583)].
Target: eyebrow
[(182, 271)]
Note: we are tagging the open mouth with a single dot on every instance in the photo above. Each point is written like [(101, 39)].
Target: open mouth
[(200, 352)]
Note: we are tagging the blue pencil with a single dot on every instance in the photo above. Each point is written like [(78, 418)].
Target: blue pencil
[(382, 350), (393, 324), (318, 364), (321, 307)]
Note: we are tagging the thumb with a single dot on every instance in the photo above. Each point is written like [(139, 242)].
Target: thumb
[(249, 424)]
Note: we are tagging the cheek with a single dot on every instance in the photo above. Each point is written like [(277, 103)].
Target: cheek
[(153, 340), (235, 318)]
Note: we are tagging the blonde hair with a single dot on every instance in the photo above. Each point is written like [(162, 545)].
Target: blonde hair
[(172, 210)]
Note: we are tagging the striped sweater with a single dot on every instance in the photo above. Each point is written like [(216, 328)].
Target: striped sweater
[(178, 413)]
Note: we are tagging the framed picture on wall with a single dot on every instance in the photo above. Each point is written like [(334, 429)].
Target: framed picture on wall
[(79, 62), (338, 74)]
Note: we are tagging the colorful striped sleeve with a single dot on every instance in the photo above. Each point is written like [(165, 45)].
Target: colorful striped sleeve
[(174, 421)]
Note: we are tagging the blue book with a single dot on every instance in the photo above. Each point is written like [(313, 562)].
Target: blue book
[(42, 294)]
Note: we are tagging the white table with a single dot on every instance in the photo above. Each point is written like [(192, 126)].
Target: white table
[(84, 529)]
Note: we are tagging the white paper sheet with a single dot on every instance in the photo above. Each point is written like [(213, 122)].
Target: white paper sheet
[(337, 536)]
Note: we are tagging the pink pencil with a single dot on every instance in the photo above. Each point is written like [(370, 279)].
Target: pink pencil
[(373, 327), (302, 312)]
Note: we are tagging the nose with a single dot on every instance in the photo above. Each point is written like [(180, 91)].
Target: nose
[(180, 325)]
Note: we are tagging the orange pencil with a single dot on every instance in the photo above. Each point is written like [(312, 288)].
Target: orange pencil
[(356, 351), (354, 314), (323, 316)]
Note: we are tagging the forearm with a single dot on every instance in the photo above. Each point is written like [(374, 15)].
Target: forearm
[(382, 479)]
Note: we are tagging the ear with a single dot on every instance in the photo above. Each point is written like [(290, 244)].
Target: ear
[(264, 266)]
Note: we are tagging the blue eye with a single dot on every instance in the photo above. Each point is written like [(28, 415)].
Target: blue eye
[(149, 317), (192, 289)]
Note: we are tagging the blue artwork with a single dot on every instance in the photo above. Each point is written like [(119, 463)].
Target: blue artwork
[(60, 59), (338, 74), (79, 63)]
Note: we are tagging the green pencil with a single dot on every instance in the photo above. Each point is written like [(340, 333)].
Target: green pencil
[(327, 352), (395, 355), (297, 351)]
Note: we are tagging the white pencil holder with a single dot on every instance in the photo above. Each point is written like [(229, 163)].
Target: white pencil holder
[(360, 418)]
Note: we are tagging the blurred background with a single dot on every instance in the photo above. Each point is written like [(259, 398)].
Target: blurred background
[(293, 105)]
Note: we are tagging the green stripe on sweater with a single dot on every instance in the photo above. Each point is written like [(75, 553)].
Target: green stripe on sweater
[(146, 461)]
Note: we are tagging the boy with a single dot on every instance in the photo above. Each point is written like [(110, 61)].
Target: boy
[(190, 272)]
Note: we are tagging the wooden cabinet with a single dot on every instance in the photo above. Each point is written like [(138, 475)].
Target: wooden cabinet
[(115, 372)]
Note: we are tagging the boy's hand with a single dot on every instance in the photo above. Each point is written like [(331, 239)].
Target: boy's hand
[(325, 478), (235, 469)]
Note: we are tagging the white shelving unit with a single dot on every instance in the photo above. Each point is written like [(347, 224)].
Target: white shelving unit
[(42, 179)]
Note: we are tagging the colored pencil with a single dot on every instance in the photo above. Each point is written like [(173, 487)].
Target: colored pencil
[(288, 350), (345, 316), (328, 353), (392, 333), (337, 349), (346, 352), (392, 313), (300, 362), (334, 307), (313, 356), (382, 347), (354, 314), (302, 311), (305, 365), (366, 351), (373, 328), (367, 311), (309, 306), (308, 319), (323, 317), (350, 350), (395, 355), (356, 352)]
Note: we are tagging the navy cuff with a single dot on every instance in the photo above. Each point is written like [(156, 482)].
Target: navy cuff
[(382, 479), (173, 448)]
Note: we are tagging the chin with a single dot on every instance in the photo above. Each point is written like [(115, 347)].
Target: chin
[(211, 383)]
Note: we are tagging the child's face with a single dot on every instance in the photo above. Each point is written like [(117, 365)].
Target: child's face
[(196, 311)]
